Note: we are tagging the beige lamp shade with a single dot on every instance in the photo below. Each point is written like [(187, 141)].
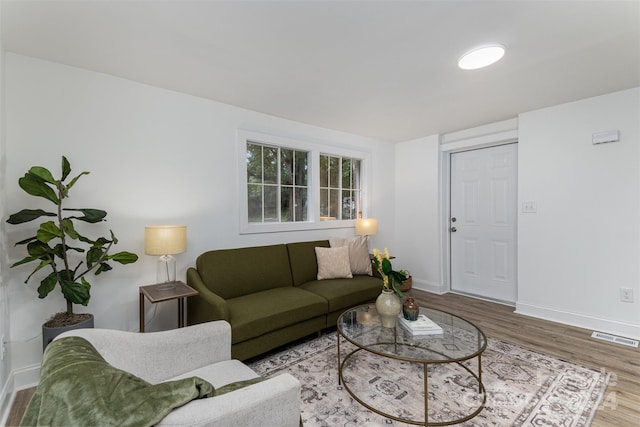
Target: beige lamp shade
[(366, 226), (165, 239)]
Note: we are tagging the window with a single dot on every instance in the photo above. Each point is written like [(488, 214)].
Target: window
[(287, 184), (276, 184), (339, 187)]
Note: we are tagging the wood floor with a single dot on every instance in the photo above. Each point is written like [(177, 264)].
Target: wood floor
[(621, 404)]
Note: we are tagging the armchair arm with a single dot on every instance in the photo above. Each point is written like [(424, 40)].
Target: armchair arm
[(157, 356), (273, 402), (206, 306)]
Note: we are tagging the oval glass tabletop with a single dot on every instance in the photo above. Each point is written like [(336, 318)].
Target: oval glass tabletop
[(459, 339)]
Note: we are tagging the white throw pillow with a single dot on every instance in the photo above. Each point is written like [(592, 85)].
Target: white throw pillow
[(358, 253), (333, 263)]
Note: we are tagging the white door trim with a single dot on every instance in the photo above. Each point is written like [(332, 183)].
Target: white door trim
[(505, 132)]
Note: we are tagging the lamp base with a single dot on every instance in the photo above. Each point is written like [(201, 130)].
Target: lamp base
[(166, 269)]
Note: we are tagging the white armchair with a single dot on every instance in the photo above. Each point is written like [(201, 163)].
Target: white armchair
[(202, 350)]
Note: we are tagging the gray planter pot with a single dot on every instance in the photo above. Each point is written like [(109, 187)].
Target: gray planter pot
[(48, 334)]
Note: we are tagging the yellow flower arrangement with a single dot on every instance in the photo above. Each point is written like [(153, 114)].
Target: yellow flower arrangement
[(382, 261)]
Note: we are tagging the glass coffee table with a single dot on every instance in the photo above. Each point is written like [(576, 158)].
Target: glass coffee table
[(459, 342)]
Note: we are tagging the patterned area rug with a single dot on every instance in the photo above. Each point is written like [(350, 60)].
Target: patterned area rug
[(523, 387)]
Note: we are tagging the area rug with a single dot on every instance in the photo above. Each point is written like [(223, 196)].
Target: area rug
[(523, 387)]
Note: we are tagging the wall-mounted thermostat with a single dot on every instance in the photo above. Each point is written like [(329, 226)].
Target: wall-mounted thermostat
[(606, 136)]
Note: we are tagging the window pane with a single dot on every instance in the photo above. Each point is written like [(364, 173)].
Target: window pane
[(348, 205), (324, 204), (286, 167), (356, 174), (254, 202), (324, 171), (301, 168), (346, 173), (334, 172), (254, 163), (270, 203), (334, 204), (270, 165), (301, 204), (286, 204)]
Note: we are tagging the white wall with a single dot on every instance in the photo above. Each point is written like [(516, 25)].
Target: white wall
[(155, 157), (5, 363), (417, 204), (583, 244)]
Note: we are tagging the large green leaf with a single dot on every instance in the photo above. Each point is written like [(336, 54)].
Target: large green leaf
[(74, 180), (38, 249), (103, 267), (58, 250), (47, 285), (102, 241), (89, 215), (123, 257), (48, 231), (66, 168), (26, 215), (43, 174), (77, 293), (36, 187), (386, 266), (69, 229), (93, 256), (24, 260), (40, 266)]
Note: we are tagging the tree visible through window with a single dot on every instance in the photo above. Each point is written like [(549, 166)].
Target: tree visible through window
[(277, 184), (340, 189)]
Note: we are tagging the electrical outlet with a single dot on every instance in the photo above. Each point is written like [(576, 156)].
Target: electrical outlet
[(529, 207), (626, 294)]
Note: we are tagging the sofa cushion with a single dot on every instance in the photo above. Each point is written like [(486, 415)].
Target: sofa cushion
[(358, 253), (345, 293), (261, 312), (231, 273), (333, 263), (302, 258)]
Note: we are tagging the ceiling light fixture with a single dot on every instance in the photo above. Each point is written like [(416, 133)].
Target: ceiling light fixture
[(480, 57)]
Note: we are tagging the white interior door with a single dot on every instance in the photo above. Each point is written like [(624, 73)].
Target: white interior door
[(483, 222)]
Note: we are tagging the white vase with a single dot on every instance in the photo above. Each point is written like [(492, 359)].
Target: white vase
[(389, 307)]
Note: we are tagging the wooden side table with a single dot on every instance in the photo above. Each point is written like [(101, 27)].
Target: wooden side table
[(165, 292)]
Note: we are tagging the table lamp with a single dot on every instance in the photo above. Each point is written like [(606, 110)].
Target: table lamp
[(366, 226), (165, 240)]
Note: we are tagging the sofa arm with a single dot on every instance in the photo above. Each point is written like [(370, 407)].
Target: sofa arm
[(273, 402), (156, 356), (206, 306)]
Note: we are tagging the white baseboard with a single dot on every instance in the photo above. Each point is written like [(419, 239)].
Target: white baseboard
[(423, 285), (18, 380), (623, 329)]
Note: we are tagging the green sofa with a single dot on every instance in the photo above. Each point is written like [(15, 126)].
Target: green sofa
[(270, 294)]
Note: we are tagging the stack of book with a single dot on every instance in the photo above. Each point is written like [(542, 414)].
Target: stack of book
[(422, 326)]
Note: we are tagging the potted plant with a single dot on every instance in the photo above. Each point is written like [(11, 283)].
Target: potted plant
[(60, 248), (388, 302), (407, 282)]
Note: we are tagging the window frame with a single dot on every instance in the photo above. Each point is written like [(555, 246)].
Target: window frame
[(313, 182)]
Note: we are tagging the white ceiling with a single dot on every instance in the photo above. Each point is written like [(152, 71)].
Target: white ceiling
[(384, 69)]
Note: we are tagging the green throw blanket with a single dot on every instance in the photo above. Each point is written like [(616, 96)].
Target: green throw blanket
[(79, 388)]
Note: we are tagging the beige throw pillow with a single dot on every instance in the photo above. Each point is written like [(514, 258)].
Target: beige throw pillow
[(333, 263), (358, 253)]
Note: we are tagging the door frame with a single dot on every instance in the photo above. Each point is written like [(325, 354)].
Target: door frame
[(501, 133)]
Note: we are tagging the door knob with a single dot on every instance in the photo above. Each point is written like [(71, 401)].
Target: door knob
[(453, 229)]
